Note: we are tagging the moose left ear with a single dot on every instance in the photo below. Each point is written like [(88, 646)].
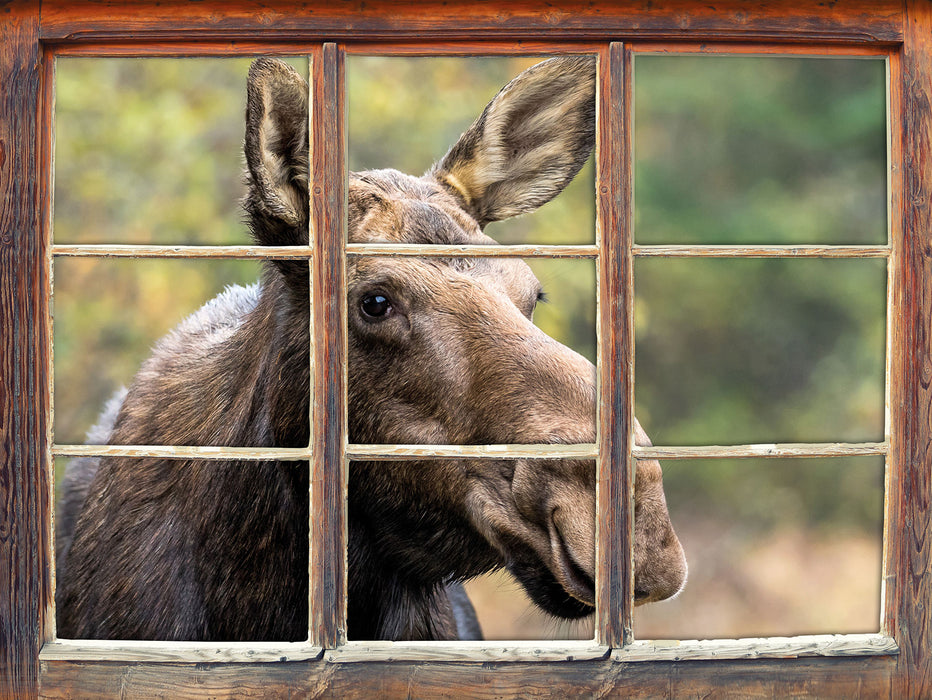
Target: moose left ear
[(276, 149), (527, 144)]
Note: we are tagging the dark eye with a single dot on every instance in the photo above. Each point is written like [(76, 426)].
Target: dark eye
[(376, 305)]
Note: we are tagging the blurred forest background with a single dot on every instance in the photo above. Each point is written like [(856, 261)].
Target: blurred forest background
[(727, 150)]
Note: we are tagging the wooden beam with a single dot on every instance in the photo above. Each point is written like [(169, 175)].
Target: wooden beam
[(327, 566), (908, 612), (25, 590), (853, 22)]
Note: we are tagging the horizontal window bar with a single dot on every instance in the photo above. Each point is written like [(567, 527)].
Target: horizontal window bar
[(473, 251), (475, 652), (404, 452), (762, 648), (251, 454), (400, 452), (761, 251), (177, 652), (246, 252), (800, 449)]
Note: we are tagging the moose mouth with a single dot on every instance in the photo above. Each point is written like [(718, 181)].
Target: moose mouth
[(563, 588)]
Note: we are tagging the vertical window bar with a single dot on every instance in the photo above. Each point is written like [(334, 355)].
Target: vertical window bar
[(327, 550), (614, 502)]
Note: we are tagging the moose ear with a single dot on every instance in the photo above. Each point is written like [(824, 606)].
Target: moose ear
[(527, 144), (276, 148)]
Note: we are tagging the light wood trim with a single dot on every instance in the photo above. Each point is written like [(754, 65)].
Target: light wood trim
[(761, 251), (775, 450), (247, 252), (615, 349), (758, 648), (473, 251), (244, 252), (405, 452), (184, 452), (177, 652), (469, 652)]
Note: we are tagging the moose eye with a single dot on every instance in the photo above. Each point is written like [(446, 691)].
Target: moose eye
[(376, 305)]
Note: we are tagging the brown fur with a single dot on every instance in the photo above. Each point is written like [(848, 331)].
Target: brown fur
[(170, 550)]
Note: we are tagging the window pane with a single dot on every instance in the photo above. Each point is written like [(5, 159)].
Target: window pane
[(109, 316), (405, 113), (774, 150), (775, 547), (149, 151), (746, 351), (227, 562)]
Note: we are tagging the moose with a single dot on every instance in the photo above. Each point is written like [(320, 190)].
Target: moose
[(440, 351)]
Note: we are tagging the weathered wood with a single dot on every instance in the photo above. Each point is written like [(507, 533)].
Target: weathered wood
[(243, 252), (250, 252), (472, 652), (763, 648), (327, 564), (474, 251), (788, 449), (856, 21), (848, 678), (909, 551), (614, 490), (178, 652), (25, 584), (760, 251)]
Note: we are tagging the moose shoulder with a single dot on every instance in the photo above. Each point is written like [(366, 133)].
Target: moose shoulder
[(440, 351)]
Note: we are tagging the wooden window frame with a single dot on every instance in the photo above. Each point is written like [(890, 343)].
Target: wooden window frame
[(895, 663)]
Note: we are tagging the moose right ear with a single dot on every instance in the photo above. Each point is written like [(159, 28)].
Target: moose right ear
[(277, 157)]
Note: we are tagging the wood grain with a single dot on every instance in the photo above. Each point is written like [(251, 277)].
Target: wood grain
[(25, 585), (178, 652), (853, 22), (763, 648), (760, 251), (909, 551), (848, 678), (327, 566), (614, 492)]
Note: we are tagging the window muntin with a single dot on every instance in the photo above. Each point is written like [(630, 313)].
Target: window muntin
[(352, 448)]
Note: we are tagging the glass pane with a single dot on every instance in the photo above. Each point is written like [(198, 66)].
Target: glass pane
[(775, 547), (774, 150), (405, 113), (150, 151), (182, 550), (110, 314), (747, 351)]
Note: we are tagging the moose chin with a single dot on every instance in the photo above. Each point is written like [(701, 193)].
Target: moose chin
[(440, 351)]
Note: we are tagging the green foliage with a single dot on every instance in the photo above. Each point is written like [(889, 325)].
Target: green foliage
[(728, 150)]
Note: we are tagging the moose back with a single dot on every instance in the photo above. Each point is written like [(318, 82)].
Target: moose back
[(440, 351)]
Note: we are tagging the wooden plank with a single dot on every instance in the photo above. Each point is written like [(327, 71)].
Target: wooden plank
[(327, 565), (183, 452), (242, 252), (473, 251), (732, 48), (763, 648), (909, 553), (614, 497), (775, 450), (25, 587), (848, 678), (853, 22), (178, 652), (759, 251), (471, 652), (403, 452)]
